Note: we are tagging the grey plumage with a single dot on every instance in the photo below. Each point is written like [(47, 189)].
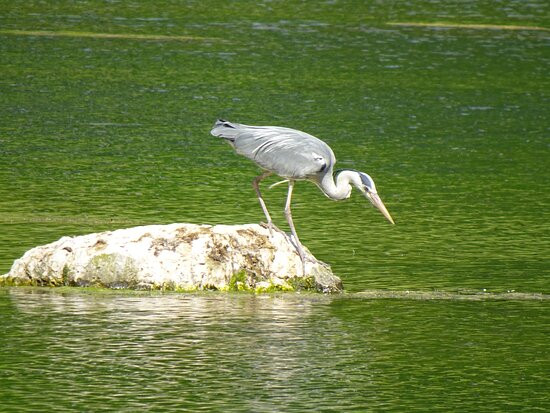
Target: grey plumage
[(287, 152), (295, 155)]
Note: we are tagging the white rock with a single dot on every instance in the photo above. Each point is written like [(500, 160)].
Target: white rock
[(175, 257)]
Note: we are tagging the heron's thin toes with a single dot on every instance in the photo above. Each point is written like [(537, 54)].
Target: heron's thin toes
[(311, 259), (272, 228), (269, 226)]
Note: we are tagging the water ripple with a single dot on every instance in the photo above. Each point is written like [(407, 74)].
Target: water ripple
[(266, 353)]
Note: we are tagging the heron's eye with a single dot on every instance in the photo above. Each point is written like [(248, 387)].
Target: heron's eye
[(367, 190)]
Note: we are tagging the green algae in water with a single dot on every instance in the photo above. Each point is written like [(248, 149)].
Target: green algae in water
[(240, 282)]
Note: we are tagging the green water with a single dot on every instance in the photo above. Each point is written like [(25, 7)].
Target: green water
[(452, 123), (287, 353)]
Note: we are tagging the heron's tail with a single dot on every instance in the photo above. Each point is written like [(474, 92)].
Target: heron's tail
[(225, 129)]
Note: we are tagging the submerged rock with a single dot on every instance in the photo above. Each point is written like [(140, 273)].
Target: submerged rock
[(185, 257)]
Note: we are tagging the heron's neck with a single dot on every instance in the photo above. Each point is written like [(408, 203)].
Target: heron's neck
[(342, 188)]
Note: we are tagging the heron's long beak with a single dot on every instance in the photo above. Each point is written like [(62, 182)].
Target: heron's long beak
[(377, 202)]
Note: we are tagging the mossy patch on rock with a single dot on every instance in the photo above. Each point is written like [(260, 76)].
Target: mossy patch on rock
[(110, 270)]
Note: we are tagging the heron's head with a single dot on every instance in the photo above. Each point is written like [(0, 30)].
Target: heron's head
[(365, 184)]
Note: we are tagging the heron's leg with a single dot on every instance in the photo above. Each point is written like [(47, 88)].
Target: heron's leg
[(288, 215), (255, 184)]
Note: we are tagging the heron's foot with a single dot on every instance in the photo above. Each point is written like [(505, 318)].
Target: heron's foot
[(272, 227), (313, 260), (309, 258), (269, 226), (305, 258)]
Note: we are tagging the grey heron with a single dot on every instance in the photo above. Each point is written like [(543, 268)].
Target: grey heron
[(295, 155)]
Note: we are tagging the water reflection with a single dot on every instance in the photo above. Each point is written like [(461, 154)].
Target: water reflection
[(181, 343), (266, 353)]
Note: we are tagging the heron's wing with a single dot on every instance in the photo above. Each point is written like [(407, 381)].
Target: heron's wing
[(287, 152)]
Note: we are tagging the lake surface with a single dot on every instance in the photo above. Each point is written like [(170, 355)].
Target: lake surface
[(291, 353), (100, 132)]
